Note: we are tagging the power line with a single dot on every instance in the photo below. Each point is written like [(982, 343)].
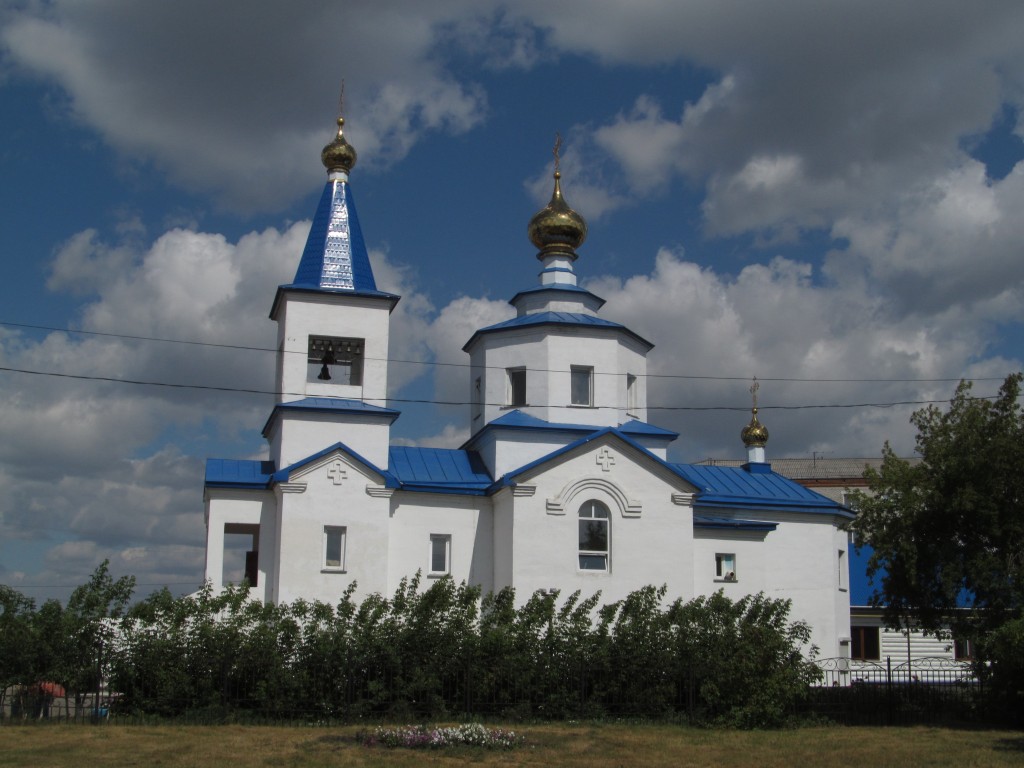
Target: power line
[(694, 377), (70, 586), (426, 401)]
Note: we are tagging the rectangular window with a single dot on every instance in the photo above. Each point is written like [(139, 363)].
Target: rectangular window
[(631, 387), (725, 566), (478, 397), (864, 643), (334, 359), (334, 547), (963, 650), (252, 568), (841, 575), (440, 553), (582, 385), (516, 387)]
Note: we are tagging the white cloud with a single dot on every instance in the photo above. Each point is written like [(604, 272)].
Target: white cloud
[(777, 322), (91, 474), (258, 74)]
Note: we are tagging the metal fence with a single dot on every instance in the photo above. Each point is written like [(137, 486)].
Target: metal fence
[(924, 691)]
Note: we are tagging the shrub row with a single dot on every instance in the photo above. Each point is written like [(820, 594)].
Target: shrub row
[(449, 650)]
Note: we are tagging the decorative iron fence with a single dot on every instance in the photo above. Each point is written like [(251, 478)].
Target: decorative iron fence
[(917, 692)]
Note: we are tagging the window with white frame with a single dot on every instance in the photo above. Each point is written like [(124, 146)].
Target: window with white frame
[(631, 387), (594, 532), (725, 566), (334, 548), (440, 553), (581, 384), (516, 387)]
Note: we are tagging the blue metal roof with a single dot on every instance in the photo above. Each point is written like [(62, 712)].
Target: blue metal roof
[(568, 319), (560, 287), (281, 475), (331, 405), (738, 487), (238, 473), (518, 420), (637, 427), (509, 478), (335, 256), (438, 470), (706, 521)]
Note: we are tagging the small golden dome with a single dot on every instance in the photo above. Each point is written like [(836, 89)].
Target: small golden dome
[(755, 434), (556, 229), (339, 155)]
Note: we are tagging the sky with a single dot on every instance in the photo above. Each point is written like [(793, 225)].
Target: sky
[(826, 196)]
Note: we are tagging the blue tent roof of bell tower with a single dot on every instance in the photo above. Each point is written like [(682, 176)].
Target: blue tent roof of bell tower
[(335, 257)]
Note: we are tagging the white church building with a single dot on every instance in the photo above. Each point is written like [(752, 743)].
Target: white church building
[(562, 485)]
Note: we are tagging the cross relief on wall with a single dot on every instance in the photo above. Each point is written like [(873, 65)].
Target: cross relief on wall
[(605, 460), (337, 472)]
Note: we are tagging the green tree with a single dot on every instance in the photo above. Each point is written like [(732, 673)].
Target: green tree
[(82, 634), (948, 533), (17, 640)]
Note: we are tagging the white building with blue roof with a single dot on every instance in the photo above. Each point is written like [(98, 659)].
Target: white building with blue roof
[(563, 484)]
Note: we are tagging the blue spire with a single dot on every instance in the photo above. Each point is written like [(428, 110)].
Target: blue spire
[(335, 256)]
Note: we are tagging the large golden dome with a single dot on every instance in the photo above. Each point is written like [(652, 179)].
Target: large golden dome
[(556, 229), (339, 155)]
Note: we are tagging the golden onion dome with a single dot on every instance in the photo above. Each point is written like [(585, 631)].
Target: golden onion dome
[(755, 434), (339, 155), (556, 229)]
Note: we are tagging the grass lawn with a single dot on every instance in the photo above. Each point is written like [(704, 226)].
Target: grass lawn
[(584, 745)]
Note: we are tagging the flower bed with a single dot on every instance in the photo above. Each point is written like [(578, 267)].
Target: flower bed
[(421, 737)]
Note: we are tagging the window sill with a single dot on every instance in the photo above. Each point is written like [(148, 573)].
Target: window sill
[(727, 581), (512, 407), (843, 589), (333, 570), (584, 407), (438, 574)]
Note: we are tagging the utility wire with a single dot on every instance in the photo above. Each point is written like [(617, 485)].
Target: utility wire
[(789, 379), (426, 401)]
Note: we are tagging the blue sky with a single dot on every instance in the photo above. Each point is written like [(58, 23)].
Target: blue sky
[(813, 194)]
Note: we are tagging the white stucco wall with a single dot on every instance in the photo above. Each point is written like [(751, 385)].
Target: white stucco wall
[(467, 520), (299, 434), (228, 506), (301, 315), (650, 535), (548, 353), (314, 498), (796, 561)]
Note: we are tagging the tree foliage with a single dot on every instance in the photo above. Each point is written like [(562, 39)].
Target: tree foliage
[(430, 652), (947, 533)]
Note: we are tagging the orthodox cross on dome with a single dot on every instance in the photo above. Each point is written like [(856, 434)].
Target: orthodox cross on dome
[(606, 460), (337, 473), (557, 150), (753, 392), (341, 98)]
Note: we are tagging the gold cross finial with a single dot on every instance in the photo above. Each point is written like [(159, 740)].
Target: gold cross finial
[(753, 391), (557, 149), (341, 99)]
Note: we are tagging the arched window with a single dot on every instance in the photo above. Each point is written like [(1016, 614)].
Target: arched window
[(594, 536)]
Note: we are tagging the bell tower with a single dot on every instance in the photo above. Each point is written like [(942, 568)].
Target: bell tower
[(333, 326)]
